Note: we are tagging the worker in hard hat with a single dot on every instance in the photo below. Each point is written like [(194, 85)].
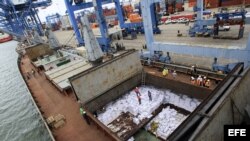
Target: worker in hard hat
[(192, 80), (136, 90), (165, 72), (204, 81), (199, 81), (139, 99), (174, 74), (149, 96), (193, 70), (84, 115), (207, 84)]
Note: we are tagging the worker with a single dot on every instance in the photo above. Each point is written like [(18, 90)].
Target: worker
[(165, 72), (174, 74), (199, 80), (193, 70), (149, 96), (207, 84), (84, 115), (149, 62), (139, 99), (137, 91), (95, 114), (46, 33), (192, 80), (33, 72), (204, 81), (220, 72), (28, 74)]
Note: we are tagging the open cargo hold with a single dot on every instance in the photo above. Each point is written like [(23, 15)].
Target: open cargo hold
[(108, 89)]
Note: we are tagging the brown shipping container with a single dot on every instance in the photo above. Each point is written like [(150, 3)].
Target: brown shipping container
[(213, 3), (192, 0), (179, 5), (191, 4), (247, 1), (231, 2)]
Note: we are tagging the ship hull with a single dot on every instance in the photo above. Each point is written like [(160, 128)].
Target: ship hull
[(6, 39)]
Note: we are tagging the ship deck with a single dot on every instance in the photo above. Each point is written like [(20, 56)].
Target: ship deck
[(52, 102)]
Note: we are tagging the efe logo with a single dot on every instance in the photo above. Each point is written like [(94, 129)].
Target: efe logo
[(237, 132)]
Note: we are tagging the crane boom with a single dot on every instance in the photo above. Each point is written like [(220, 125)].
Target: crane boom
[(91, 44)]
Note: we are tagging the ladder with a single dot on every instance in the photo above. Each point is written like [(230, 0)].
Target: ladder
[(143, 75)]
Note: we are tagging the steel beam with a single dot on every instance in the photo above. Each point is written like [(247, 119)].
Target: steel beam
[(102, 24), (72, 19)]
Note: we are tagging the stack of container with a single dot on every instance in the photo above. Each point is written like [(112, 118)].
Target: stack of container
[(128, 9), (216, 3), (109, 12)]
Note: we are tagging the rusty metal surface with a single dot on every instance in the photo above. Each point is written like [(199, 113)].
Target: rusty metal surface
[(95, 81), (33, 101), (187, 70), (227, 111), (114, 93), (191, 123), (38, 50)]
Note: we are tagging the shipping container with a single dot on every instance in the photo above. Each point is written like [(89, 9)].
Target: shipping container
[(231, 2), (247, 2), (217, 3), (189, 16)]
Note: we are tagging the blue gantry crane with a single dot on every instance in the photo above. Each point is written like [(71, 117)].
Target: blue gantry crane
[(19, 16), (138, 26), (232, 18), (80, 5), (53, 21), (97, 4), (241, 55)]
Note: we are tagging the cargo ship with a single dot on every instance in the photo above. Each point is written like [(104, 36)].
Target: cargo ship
[(61, 82), (174, 101), (64, 79), (4, 37)]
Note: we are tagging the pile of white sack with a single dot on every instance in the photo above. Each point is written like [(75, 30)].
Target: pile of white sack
[(129, 103), (168, 120)]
